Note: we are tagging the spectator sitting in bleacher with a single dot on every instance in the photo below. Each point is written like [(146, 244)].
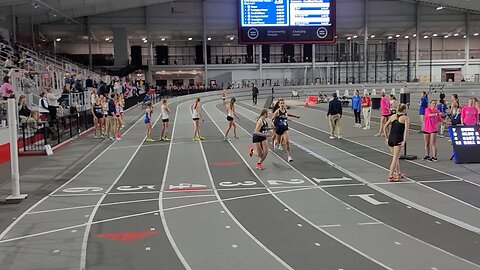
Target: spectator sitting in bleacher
[(9, 63), (23, 110), (7, 89), (43, 106)]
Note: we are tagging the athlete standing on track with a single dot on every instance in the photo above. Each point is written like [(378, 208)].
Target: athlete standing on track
[(224, 96), (165, 120), (274, 139), (231, 122), (196, 115), (260, 134), (430, 128), (148, 121), (97, 111), (281, 116), (385, 109), (396, 138)]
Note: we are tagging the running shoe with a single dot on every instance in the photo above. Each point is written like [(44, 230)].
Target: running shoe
[(339, 137), (149, 140), (259, 166), (426, 158), (290, 159), (250, 152), (166, 139), (201, 138), (196, 139), (160, 139), (433, 159), (280, 147), (118, 139), (332, 137), (236, 137), (225, 138)]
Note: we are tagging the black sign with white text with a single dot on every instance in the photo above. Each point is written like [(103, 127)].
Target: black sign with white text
[(466, 143)]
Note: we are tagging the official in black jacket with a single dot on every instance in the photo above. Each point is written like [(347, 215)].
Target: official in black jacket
[(334, 115)]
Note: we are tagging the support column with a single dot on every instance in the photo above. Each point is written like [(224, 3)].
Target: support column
[(148, 73), (205, 56), (314, 64), (14, 24), (260, 64), (365, 43), (89, 31), (417, 41), (466, 70), (120, 46)]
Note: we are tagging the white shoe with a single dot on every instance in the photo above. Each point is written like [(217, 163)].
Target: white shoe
[(225, 138), (290, 159), (280, 148), (274, 146), (339, 137), (332, 137), (366, 128)]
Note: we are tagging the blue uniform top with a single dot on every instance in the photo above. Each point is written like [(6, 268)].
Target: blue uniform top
[(356, 102), (442, 107), (423, 105)]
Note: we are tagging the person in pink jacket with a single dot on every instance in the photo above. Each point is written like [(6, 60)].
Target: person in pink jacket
[(469, 113), (430, 129), (385, 110)]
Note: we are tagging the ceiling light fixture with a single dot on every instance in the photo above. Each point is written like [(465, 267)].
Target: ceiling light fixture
[(145, 41), (209, 38), (476, 34), (390, 37), (232, 37), (425, 36), (348, 38), (107, 39), (407, 37), (440, 8), (355, 36), (58, 39), (414, 35), (446, 36), (144, 38), (372, 36), (190, 38), (397, 36), (465, 36), (434, 35), (162, 39), (456, 34)]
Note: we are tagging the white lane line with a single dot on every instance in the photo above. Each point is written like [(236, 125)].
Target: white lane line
[(187, 197), (398, 198), (346, 185), (282, 262), (394, 183), (290, 208), (441, 181), (60, 209), (133, 192), (2, 235), (161, 144), (370, 223), (76, 195), (160, 197), (41, 233), (329, 226), (83, 254)]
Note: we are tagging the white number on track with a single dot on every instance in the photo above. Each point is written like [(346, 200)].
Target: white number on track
[(83, 189), (130, 188), (288, 182), (238, 184)]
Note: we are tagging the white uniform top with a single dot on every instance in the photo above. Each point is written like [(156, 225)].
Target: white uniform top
[(42, 109), (195, 113), (164, 112)]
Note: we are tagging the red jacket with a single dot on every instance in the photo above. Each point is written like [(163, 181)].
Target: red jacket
[(366, 102)]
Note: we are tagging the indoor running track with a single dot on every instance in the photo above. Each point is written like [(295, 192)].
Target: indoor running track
[(202, 205)]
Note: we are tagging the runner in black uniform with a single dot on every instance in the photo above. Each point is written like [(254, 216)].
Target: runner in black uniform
[(396, 138), (281, 127), (260, 134), (97, 111)]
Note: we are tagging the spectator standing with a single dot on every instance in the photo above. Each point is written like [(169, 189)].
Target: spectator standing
[(111, 117), (357, 108), (89, 84), (455, 110), (477, 104), (254, 94), (7, 89), (367, 109), (423, 105), (23, 110), (334, 115), (442, 107), (470, 113), (43, 106), (396, 137), (385, 110), (52, 101)]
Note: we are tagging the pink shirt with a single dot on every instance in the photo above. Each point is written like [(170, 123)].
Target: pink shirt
[(385, 106), (6, 89), (430, 123), (470, 115)]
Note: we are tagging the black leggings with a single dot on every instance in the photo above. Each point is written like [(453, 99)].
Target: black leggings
[(254, 98), (358, 119)]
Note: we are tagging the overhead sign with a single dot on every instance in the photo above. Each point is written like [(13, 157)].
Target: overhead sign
[(286, 21), (466, 143)]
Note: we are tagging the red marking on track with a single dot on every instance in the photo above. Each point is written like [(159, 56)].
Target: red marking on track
[(188, 189), (225, 163), (127, 236)]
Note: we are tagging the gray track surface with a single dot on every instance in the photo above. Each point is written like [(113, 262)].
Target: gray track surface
[(203, 205)]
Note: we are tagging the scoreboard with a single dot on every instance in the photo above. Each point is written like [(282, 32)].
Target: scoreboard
[(286, 21), (466, 143)]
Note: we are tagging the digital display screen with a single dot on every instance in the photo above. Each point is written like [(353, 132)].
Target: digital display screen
[(286, 21), (466, 143)]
